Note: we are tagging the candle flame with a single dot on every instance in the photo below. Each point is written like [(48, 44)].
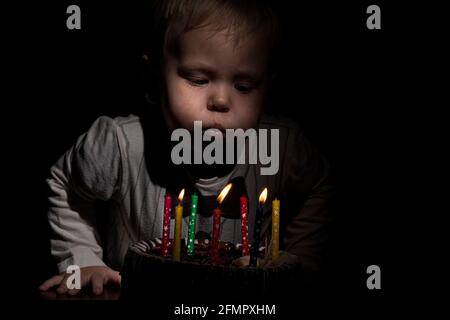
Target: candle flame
[(263, 196), (224, 193), (181, 196)]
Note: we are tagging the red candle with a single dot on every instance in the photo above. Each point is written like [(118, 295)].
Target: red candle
[(216, 236), (217, 213), (244, 225), (166, 225)]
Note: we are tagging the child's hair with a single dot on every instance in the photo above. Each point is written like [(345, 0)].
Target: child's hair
[(240, 18)]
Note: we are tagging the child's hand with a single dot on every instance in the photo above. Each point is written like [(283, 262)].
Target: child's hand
[(97, 277)]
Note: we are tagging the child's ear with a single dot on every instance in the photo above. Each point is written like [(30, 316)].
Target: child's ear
[(149, 75), (271, 81), (270, 101), (145, 74), (146, 67)]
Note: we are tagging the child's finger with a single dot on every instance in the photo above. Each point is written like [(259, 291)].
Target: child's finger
[(114, 277), (85, 279), (62, 289), (53, 281), (73, 292), (97, 281)]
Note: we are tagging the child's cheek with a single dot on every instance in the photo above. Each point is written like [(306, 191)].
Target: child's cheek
[(186, 103)]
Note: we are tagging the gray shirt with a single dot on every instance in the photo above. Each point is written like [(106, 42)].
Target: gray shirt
[(108, 163)]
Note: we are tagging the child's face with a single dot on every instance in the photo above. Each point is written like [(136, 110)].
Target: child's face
[(215, 80)]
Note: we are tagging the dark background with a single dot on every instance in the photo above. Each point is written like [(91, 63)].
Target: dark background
[(343, 83)]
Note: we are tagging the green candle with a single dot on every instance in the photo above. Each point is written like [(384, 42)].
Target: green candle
[(192, 221)]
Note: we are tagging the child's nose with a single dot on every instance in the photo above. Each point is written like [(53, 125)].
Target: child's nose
[(219, 100)]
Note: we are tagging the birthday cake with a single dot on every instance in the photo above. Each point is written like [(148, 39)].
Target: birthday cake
[(147, 274)]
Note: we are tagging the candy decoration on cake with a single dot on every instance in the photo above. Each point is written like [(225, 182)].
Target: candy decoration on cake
[(257, 230), (192, 223), (275, 229), (217, 213), (166, 225), (244, 224), (177, 232)]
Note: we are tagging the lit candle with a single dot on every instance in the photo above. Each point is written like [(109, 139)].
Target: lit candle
[(177, 231), (217, 213), (257, 230), (275, 229), (244, 224), (192, 222), (166, 225)]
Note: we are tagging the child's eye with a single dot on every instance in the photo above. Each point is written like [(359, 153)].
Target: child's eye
[(197, 81), (244, 87)]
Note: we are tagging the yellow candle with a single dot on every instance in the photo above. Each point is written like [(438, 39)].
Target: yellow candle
[(177, 231), (275, 229)]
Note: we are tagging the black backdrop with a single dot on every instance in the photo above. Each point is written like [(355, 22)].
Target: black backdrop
[(340, 81)]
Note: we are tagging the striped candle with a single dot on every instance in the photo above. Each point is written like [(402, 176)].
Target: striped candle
[(244, 224), (275, 229), (177, 232), (192, 223), (166, 225)]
